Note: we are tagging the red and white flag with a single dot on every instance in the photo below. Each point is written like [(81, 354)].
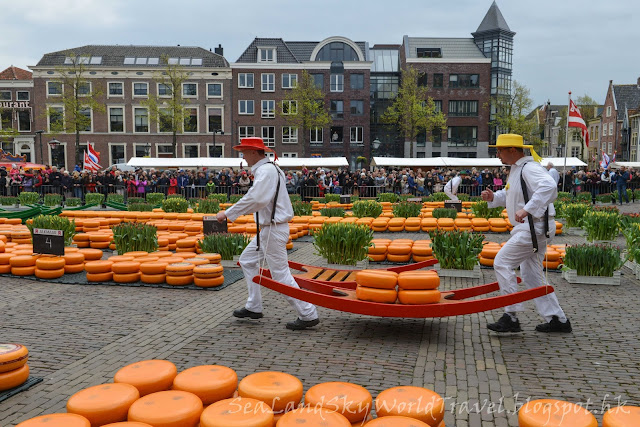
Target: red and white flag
[(576, 121), (91, 158)]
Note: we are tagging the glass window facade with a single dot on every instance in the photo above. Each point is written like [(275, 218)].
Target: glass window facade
[(337, 51)]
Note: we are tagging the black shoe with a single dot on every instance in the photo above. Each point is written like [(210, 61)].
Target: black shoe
[(505, 324), (299, 324), (243, 313), (555, 325)]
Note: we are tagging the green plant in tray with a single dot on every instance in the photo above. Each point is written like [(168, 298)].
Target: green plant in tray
[(220, 197), (175, 204), (481, 209), (155, 198), (601, 225), (444, 213), (573, 213), (456, 249), (332, 212), (116, 198), (135, 236), (52, 199), (407, 209), (94, 198), (301, 208), (139, 207), (28, 198), (593, 260), (73, 201), (226, 244), (366, 208), (54, 222), (343, 243), (207, 206)]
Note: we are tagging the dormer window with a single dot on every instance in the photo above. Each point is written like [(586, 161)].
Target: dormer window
[(266, 54), (429, 52)]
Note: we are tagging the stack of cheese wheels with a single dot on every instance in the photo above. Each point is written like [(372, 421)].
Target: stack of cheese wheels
[(14, 370), (557, 413), (378, 250), (396, 224), (421, 250), (148, 376), (100, 239), (394, 421), (163, 243), (552, 258), (225, 413), (446, 224), (50, 267), (558, 228), (498, 225), (208, 275), (23, 265), (5, 266), (399, 250), (413, 224), (312, 417), (418, 287), (401, 401), (488, 253), (90, 225), (289, 244), (179, 274), (429, 224), (21, 235), (463, 224), (282, 392), (211, 257), (211, 383), (377, 286), (193, 228), (622, 416), (82, 240), (480, 224), (99, 271), (186, 245), (91, 254), (380, 224), (154, 272), (126, 271), (354, 402), (172, 408), (386, 206), (73, 261), (103, 404), (56, 420)]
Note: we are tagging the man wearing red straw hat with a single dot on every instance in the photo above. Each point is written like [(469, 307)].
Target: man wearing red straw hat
[(269, 200)]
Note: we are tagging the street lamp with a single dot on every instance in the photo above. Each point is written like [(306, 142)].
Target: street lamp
[(376, 144), (54, 143), (215, 131), (40, 132), (147, 150)]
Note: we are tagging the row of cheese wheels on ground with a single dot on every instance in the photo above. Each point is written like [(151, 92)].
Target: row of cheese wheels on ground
[(552, 260), (14, 370), (408, 287), (400, 250), (16, 233)]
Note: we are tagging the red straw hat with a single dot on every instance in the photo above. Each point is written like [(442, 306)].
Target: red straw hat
[(251, 143)]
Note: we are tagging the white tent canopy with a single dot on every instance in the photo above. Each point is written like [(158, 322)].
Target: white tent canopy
[(558, 162), (633, 165), (458, 162), (312, 162), (231, 162)]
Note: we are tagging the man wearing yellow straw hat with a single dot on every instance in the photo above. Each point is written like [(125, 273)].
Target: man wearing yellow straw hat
[(528, 197)]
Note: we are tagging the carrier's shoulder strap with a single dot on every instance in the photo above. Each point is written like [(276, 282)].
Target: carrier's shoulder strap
[(532, 230)]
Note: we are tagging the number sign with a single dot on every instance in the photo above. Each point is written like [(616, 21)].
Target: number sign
[(48, 241), (211, 225)]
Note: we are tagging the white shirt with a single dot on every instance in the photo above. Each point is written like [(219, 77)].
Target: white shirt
[(555, 175), (260, 196), (453, 184), (542, 192)]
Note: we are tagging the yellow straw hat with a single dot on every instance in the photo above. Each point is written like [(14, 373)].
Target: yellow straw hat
[(507, 140)]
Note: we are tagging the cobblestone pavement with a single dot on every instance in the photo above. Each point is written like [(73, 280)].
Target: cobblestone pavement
[(79, 336)]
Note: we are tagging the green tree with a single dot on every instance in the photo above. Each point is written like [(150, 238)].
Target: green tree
[(169, 109), (511, 115), (79, 98), (413, 111), (303, 108)]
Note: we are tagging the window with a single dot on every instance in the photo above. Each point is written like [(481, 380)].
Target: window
[(266, 55), (437, 103), (141, 118), (575, 151), (438, 80), (191, 120), (164, 89), (246, 131), (610, 148), (337, 109), (316, 135), (290, 107), (58, 155), (245, 80), (289, 155), (116, 119), (464, 80), (422, 79), (463, 136), (436, 138), (117, 152), (269, 135), (216, 150), (140, 89), (139, 150), (5, 95), (609, 111), (24, 120), (191, 150), (245, 107), (357, 107), (429, 52), (463, 108), (56, 119), (215, 119), (318, 80), (85, 122), (164, 150), (22, 95), (337, 51), (575, 136), (189, 90), (356, 135), (610, 129), (116, 89), (289, 135), (214, 90), (268, 82), (337, 83), (268, 109), (336, 134), (165, 120), (356, 81), (84, 88), (54, 88), (129, 60), (5, 119), (289, 81)]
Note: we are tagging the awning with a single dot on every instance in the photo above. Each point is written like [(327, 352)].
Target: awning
[(230, 162), (634, 165), (461, 162), (21, 165), (312, 162), (433, 162), (558, 162)]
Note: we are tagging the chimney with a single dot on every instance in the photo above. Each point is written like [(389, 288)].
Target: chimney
[(219, 50), (638, 82)]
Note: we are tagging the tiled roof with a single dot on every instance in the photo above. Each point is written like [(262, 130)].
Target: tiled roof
[(452, 48), (493, 20), (626, 95), (113, 55), (287, 51), (15, 73)]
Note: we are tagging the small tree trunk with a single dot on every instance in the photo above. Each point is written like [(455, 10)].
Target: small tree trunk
[(175, 145), (77, 149)]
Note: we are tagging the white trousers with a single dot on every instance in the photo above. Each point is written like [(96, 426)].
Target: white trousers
[(447, 191), (273, 241), (518, 251)]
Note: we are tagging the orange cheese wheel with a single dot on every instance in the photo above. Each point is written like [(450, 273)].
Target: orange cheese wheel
[(156, 267), (153, 278), (136, 254), (381, 279), (622, 416), (487, 262), (422, 250), (73, 268), (418, 258), (148, 258), (12, 357), (398, 249), (23, 271), (126, 277), (279, 390), (49, 274), (225, 413), (100, 277), (125, 267), (378, 249), (210, 383), (388, 296), (210, 282), (401, 401), (551, 265), (418, 280), (499, 229), (180, 269), (161, 254), (91, 254), (128, 424), (14, 378), (377, 258), (102, 266), (50, 262), (23, 252), (186, 243), (23, 260), (398, 258), (354, 402), (490, 251), (172, 259), (103, 404), (56, 420), (312, 417), (363, 422), (5, 269), (100, 245), (208, 271), (179, 280), (82, 245), (418, 296), (99, 237), (5, 257), (173, 408), (120, 258), (552, 255), (197, 261), (73, 258), (557, 413), (395, 421), (213, 258), (148, 376)]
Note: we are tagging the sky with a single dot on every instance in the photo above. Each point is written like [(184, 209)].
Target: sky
[(560, 45)]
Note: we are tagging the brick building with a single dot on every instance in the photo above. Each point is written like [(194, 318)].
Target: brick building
[(122, 78), (16, 112), (266, 70), (621, 106)]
